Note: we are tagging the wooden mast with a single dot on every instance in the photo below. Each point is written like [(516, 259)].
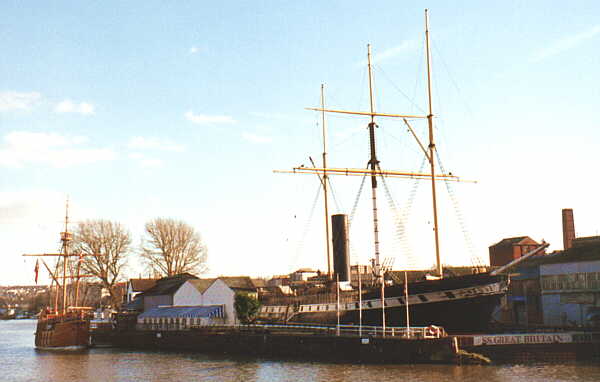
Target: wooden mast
[(325, 188), (65, 237), (432, 150)]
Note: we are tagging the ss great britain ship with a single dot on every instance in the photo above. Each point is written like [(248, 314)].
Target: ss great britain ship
[(459, 303), (62, 327)]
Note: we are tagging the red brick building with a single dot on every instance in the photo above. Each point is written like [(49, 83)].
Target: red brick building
[(507, 250)]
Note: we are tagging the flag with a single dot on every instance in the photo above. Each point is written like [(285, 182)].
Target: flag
[(37, 270)]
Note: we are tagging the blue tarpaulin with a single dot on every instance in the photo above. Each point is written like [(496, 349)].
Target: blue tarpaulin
[(210, 311)]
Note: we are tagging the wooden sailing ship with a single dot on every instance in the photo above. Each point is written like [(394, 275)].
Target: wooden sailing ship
[(459, 303), (60, 326)]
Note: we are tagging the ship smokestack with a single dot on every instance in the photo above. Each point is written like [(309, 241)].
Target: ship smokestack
[(568, 228), (341, 252)]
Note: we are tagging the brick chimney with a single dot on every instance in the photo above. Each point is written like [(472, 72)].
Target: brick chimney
[(568, 228)]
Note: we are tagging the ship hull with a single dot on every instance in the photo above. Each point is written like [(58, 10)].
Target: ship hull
[(459, 304), (58, 332)]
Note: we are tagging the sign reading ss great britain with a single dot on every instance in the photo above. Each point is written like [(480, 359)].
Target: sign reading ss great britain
[(514, 339)]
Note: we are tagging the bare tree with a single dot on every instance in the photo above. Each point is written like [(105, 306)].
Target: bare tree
[(108, 244), (172, 246)]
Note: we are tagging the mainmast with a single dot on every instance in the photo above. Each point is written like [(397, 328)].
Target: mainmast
[(432, 150), (65, 237), (373, 164)]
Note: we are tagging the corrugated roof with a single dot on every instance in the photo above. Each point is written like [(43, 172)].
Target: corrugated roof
[(184, 312)]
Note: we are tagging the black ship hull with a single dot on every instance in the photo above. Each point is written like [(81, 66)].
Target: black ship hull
[(459, 304)]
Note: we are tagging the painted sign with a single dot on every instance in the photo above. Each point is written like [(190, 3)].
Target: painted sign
[(513, 339)]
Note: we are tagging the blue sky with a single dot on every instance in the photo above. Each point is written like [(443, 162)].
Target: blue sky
[(183, 109)]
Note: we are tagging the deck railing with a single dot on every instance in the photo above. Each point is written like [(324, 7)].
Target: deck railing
[(341, 330)]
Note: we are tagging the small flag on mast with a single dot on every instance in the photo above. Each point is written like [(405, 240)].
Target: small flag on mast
[(37, 270)]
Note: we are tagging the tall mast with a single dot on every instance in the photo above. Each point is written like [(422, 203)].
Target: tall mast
[(374, 165), (373, 162), (432, 150), (325, 186), (65, 238)]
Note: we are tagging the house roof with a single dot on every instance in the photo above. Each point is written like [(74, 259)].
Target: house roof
[(244, 283), (202, 284), (169, 285), (511, 241), (259, 283), (306, 270), (589, 252), (239, 282), (184, 312), (141, 285)]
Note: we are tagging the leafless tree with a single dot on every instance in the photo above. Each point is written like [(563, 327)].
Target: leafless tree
[(107, 245), (171, 247)]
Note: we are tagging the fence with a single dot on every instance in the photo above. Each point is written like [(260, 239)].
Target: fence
[(428, 332)]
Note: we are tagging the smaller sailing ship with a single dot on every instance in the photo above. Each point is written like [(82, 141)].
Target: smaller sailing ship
[(63, 327)]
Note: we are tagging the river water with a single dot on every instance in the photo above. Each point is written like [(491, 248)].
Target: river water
[(19, 361)]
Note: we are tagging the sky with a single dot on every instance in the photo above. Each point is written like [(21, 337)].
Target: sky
[(137, 110)]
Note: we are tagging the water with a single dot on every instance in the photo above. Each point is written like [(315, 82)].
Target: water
[(19, 361)]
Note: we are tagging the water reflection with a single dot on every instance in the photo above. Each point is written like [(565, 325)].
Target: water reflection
[(20, 362)]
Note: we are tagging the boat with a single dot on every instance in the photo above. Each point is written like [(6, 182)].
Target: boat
[(458, 303), (60, 326)]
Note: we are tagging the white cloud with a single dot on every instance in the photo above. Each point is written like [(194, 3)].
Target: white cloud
[(268, 115), (203, 119), (194, 50), (17, 101), (256, 138), (152, 143), (564, 44), (68, 106), (144, 161), (21, 148), (405, 46)]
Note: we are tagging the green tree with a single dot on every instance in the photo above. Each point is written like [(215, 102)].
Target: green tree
[(246, 307)]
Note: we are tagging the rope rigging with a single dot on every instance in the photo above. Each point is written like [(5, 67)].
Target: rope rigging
[(307, 224), (476, 260)]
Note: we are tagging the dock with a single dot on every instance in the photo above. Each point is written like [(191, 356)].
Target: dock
[(319, 343)]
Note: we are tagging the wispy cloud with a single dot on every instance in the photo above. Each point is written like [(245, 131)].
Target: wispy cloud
[(17, 100), (152, 143), (21, 148), (68, 106), (268, 115), (405, 46), (564, 44), (203, 119), (194, 50), (145, 161), (254, 138)]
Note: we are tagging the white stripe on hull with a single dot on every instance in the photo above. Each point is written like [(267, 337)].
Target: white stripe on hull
[(414, 299)]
